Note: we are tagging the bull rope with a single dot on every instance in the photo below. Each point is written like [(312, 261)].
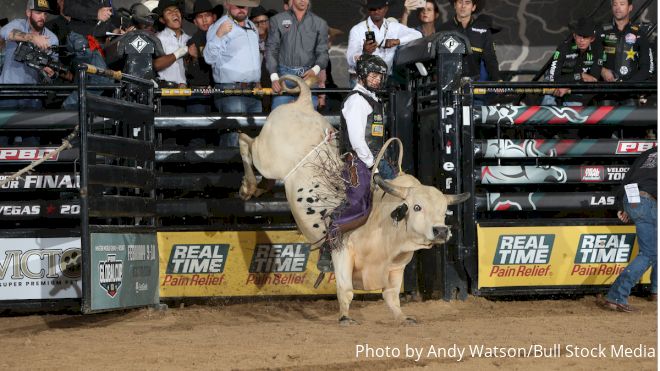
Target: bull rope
[(66, 144), (329, 135), (381, 153)]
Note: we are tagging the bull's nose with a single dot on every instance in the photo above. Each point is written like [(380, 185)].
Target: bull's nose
[(440, 231)]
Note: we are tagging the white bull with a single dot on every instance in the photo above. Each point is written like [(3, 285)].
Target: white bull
[(294, 145)]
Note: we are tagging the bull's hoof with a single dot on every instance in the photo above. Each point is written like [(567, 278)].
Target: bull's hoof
[(346, 321), (245, 193), (409, 321)]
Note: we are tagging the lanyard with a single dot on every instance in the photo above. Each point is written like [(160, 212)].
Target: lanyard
[(247, 28), (387, 25)]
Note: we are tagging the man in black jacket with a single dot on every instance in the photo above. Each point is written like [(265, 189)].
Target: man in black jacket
[(481, 40), (90, 21), (572, 62), (622, 47), (638, 196)]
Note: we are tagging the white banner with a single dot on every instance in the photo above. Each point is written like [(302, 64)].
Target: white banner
[(40, 268)]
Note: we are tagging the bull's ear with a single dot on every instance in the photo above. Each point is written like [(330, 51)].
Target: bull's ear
[(400, 212), (457, 199)]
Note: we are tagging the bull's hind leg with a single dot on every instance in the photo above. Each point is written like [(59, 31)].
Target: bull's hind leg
[(343, 264), (249, 183), (391, 295)]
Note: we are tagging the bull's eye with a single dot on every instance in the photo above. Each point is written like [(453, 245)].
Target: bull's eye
[(417, 208)]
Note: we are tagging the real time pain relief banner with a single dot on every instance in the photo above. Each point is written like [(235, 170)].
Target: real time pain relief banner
[(247, 263), (554, 255)]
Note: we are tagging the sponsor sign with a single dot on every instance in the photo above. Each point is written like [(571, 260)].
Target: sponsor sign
[(40, 268), (249, 263), (124, 270), (592, 173), (554, 255), (26, 154), (34, 210), (42, 181), (632, 146)]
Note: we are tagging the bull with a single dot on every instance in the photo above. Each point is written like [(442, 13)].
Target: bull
[(406, 216)]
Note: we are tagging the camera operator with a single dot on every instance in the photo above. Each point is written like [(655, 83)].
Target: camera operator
[(30, 30)]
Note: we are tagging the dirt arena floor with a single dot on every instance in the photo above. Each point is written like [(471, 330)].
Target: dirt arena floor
[(304, 335)]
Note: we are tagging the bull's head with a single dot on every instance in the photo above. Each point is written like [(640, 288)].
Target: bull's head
[(424, 209)]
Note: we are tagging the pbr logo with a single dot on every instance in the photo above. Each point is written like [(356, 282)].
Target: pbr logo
[(287, 257), (110, 274), (26, 154), (197, 259), (524, 249), (629, 146), (604, 248), (592, 173)]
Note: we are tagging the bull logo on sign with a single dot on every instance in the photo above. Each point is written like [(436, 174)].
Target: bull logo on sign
[(569, 114)]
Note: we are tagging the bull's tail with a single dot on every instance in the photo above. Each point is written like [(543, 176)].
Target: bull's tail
[(305, 96)]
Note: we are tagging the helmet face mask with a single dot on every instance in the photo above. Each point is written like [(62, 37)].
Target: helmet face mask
[(369, 68)]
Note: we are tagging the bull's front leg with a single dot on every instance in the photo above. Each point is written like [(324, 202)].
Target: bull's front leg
[(391, 295), (343, 263), (249, 183)]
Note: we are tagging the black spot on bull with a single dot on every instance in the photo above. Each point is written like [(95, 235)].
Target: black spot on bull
[(310, 200), (300, 189), (299, 199), (323, 212), (316, 186), (316, 225), (310, 211)]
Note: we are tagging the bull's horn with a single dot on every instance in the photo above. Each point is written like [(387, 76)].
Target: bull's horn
[(400, 192), (457, 199)]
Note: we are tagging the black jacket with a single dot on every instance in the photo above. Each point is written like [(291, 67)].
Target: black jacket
[(84, 15), (627, 53), (483, 47), (644, 172), (568, 63)]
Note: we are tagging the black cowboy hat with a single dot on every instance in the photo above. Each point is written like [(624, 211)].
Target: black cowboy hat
[(377, 4), (585, 27), (260, 10), (202, 6), (164, 4)]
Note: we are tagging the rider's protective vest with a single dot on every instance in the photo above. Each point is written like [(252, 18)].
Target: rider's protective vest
[(374, 129)]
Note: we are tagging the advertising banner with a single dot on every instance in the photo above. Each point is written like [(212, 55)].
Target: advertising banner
[(554, 255), (40, 268), (252, 263), (124, 270)]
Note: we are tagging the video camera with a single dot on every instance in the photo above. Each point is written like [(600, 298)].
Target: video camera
[(38, 59)]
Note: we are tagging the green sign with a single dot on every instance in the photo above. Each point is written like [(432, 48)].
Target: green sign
[(124, 270)]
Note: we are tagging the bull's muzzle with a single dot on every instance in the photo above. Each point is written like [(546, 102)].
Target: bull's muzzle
[(440, 233)]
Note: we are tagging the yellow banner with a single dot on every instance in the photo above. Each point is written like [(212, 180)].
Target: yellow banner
[(554, 256), (252, 263)]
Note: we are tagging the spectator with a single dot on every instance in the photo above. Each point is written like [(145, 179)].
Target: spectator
[(31, 29), (199, 72), (90, 21), (261, 18), (638, 197), (232, 50), (297, 45), (286, 4), (623, 51), (388, 36), (428, 15), (330, 101), (572, 62), (481, 40), (60, 24), (174, 41), (175, 44)]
